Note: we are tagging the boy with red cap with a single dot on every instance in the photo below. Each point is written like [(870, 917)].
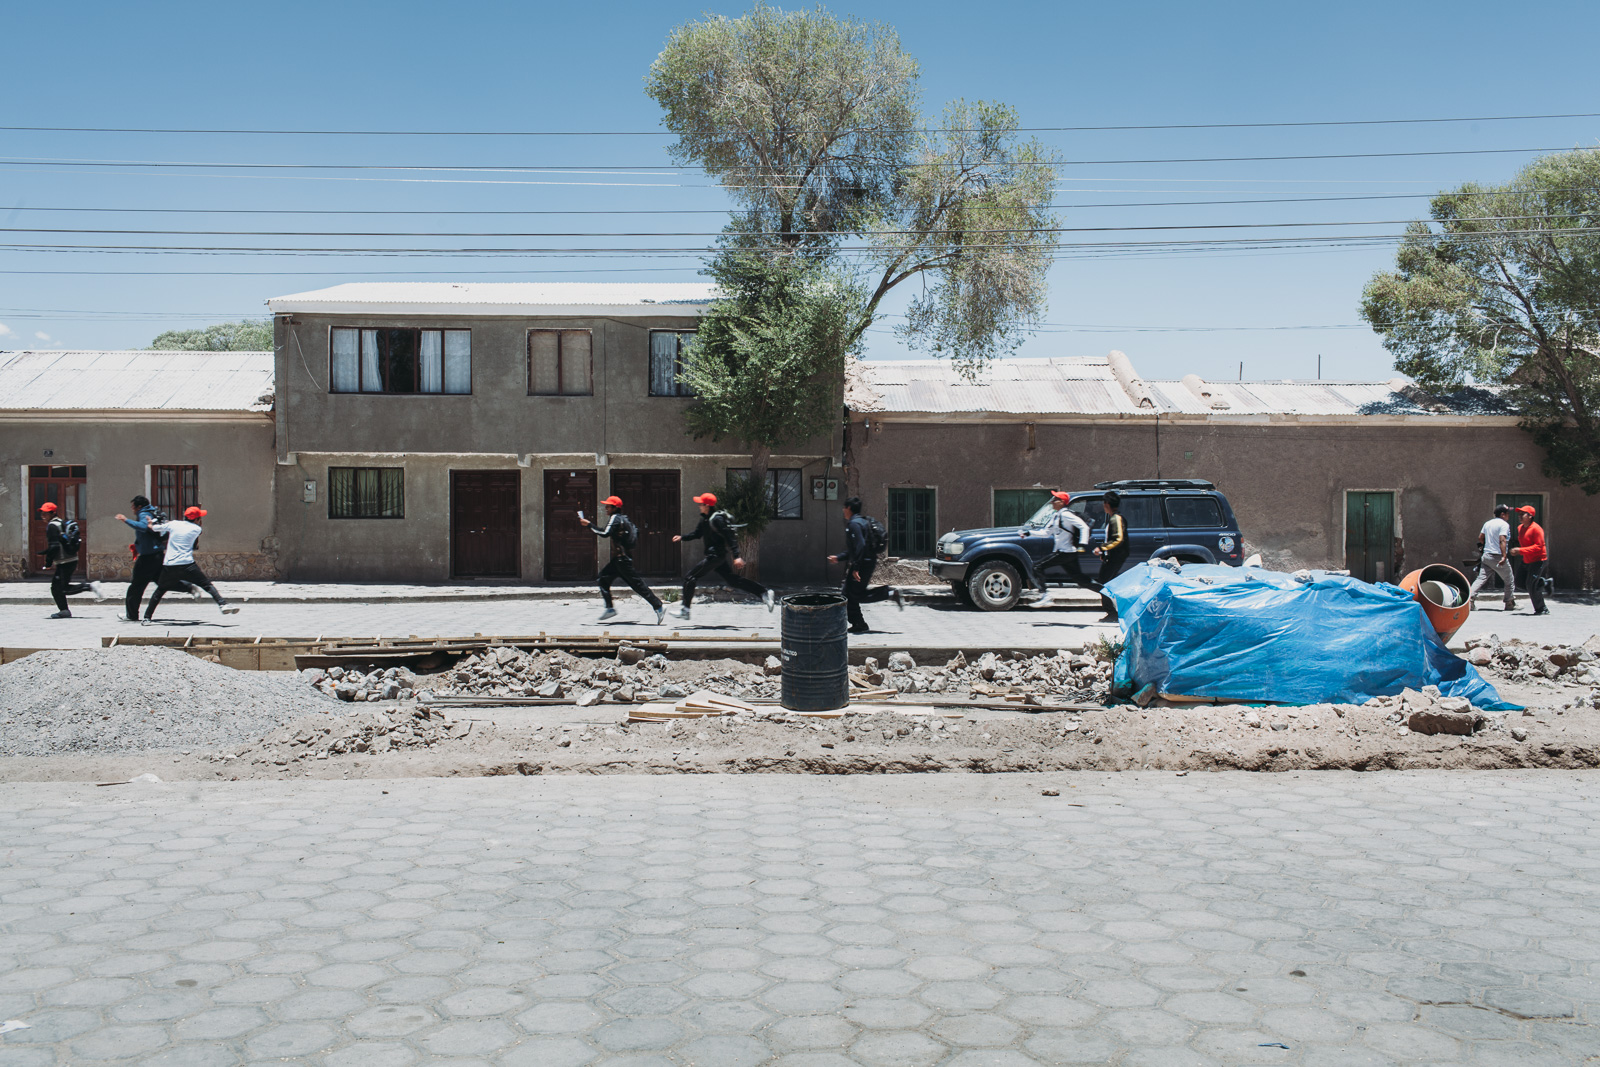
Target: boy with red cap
[(1530, 546), (624, 535), (716, 529), (64, 556), (178, 565), (1071, 536)]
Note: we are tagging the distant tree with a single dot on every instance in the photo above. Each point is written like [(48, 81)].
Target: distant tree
[(1502, 288), (250, 335)]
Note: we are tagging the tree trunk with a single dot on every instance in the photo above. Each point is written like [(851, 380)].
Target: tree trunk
[(760, 458)]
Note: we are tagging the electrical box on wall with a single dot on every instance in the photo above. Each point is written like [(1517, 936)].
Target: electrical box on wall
[(824, 488), (311, 492)]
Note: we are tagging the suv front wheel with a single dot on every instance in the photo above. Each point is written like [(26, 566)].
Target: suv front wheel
[(994, 586)]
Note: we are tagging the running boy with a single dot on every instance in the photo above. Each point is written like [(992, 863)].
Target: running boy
[(716, 529), (624, 535)]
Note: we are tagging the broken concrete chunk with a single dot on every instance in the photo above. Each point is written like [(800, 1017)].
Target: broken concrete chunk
[(629, 655), (590, 697), (772, 666), (1442, 722), (958, 662), (551, 690), (1480, 657), (1518, 734), (902, 661)]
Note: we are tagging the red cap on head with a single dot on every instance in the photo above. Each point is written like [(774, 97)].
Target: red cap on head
[(47, 506), (706, 498), (193, 513), (612, 501), (1527, 510), (1065, 498)]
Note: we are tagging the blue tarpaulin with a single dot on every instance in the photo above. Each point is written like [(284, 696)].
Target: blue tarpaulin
[(1248, 634)]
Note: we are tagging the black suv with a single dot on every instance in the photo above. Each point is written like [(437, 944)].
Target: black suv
[(1183, 519)]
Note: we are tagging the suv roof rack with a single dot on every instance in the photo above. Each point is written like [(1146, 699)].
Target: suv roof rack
[(1156, 483)]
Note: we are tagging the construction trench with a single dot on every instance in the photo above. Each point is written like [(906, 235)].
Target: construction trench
[(601, 705)]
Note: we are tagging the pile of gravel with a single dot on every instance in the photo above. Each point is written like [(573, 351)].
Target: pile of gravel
[(141, 699)]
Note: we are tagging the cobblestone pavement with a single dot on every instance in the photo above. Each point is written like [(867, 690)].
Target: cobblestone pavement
[(961, 921)]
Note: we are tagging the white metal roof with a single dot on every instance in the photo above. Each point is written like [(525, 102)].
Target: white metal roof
[(1315, 398), (1064, 386), (136, 381), (501, 298)]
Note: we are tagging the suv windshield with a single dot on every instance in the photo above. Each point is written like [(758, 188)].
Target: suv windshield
[(1041, 516)]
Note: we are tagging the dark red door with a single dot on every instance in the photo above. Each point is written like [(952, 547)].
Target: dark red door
[(652, 501), (67, 488), (485, 524), (569, 548)]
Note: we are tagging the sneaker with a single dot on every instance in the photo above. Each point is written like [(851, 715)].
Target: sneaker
[(679, 613), (661, 615), (196, 593), (147, 622), (124, 618), (899, 598), (229, 609), (60, 615), (96, 592), (770, 599), (1044, 598), (609, 613), (1542, 611)]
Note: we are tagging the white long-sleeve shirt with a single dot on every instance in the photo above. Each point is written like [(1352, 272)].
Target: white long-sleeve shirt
[(181, 536), (1070, 531)]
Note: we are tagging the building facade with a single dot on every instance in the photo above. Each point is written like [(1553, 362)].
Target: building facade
[(433, 432), (1368, 476), (90, 430)]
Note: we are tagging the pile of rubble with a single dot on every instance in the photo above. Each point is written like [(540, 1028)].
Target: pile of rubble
[(1427, 711), (632, 677), (392, 683), (1075, 676), (373, 732), (1525, 661)]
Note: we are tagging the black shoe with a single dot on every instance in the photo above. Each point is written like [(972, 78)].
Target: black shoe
[(860, 629), (60, 615), (1542, 611)]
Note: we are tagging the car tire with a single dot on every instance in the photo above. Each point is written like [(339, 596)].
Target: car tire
[(994, 586)]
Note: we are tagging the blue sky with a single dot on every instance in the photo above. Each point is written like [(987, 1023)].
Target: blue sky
[(487, 66)]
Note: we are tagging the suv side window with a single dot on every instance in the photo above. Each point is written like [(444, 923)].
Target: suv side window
[(1092, 512), (1142, 512), (1193, 511)]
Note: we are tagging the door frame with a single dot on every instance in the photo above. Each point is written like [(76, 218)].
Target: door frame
[(1396, 535), (677, 472), (30, 569), (450, 526)]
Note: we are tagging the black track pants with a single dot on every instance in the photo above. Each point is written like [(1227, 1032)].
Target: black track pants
[(721, 566), (622, 567)]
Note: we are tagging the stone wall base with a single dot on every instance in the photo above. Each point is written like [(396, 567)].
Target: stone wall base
[(219, 567)]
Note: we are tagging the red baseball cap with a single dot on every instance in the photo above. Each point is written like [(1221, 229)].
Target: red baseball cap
[(193, 513), (706, 498), (47, 506), (1065, 498), (612, 501), (1527, 510)]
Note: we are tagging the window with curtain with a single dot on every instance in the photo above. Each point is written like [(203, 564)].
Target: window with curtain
[(399, 360), (783, 490), (174, 489), (366, 493), (560, 363), (666, 363)]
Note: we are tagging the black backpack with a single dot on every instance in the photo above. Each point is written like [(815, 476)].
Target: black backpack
[(627, 534), (877, 536), (71, 536)]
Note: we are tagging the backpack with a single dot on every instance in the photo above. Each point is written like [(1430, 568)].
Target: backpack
[(71, 536), (877, 536), (627, 534)]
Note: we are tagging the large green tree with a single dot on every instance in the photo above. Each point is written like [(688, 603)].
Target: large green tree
[(250, 335), (844, 191), (1502, 288)]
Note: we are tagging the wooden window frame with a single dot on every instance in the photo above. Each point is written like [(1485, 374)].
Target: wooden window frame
[(176, 510), (772, 501), (416, 361), (560, 361), (680, 390), (333, 496)]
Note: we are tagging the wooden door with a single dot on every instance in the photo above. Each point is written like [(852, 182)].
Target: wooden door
[(652, 500), (1369, 536), (569, 547), (485, 524), (67, 488)]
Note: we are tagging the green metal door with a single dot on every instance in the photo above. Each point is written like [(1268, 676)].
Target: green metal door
[(1369, 535)]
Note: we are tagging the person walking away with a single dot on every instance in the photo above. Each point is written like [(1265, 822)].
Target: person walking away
[(1114, 553), (62, 539), (1495, 541), (178, 565), (1071, 536), (1531, 547), (623, 535), (717, 530), (148, 551), (863, 541)]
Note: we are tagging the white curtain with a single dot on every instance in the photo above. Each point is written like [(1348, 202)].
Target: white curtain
[(458, 361), (432, 361), (346, 365), (371, 376)]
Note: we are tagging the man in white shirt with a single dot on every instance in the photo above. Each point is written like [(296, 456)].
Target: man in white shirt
[(178, 565), (1071, 536), (1495, 540)]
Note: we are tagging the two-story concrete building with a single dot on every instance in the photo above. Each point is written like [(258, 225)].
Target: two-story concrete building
[(437, 431)]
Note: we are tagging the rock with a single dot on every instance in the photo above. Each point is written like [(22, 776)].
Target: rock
[(772, 667), (590, 697), (1253, 720), (902, 661), (1480, 656), (1414, 700), (1593, 644), (551, 690), (1565, 657), (504, 654), (1453, 704), (625, 694), (629, 655), (1442, 722), (1280, 726), (338, 672), (673, 691), (869, 664), (958, 662), (390, 691), (904, 683), (1518, 733), (344, 690)]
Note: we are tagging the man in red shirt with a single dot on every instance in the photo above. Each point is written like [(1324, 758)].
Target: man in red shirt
[(1530, 546)]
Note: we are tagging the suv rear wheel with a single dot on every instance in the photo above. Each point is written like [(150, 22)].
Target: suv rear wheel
[(994, 586)]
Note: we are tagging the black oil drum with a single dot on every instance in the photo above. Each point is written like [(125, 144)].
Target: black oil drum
[(816, 652)]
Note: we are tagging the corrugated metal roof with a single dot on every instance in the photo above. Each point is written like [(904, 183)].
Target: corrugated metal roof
[(1067, 386), (500, 298), (1395, 397), (136, 381)]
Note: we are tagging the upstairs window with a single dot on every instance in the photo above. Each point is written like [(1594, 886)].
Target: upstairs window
[(400, 360), (783, 489), (560, 363), (666, 363)]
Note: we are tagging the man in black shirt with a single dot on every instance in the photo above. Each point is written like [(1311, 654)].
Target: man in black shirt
[(624, 535), (716, 529), (64, 557), (860, 559), (1114, 553)]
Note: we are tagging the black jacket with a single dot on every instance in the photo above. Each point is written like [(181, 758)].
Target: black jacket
[(616, 529), (55, 545), (855, 542), (718, 534)]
